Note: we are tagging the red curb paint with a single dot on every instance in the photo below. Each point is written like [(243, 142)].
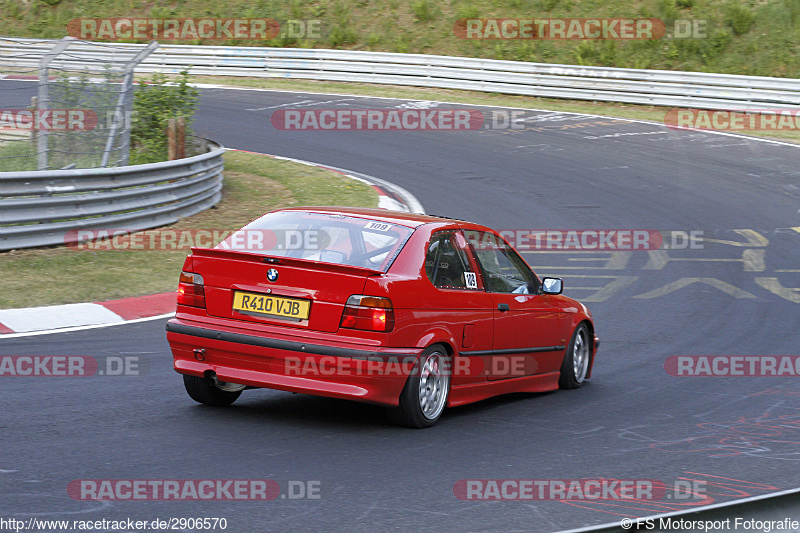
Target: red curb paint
[(24, 77), (332, 170), (142, 306)]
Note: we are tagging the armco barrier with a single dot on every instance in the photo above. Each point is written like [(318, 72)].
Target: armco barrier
[(44, 218), (39, 208), (636, 86)]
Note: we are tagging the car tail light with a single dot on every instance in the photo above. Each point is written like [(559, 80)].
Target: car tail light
[(371, 313), (190, 290)]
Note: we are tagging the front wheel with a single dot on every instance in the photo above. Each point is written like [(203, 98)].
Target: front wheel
[(577, 359), (203, 390), (425, 393)]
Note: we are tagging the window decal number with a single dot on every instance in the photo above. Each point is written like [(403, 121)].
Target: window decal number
[(378, 226), (471, 280)]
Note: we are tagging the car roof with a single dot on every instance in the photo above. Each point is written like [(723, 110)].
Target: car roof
[(411, 220)]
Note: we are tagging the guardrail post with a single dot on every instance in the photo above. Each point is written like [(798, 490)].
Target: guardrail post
[(41, 145), (172, 135), (123, 108), (176, 138), (181, 140), (34, 107)]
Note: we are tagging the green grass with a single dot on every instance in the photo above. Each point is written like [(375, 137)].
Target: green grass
[(253, 185), (17, 154), (758, 37), (20, 155)]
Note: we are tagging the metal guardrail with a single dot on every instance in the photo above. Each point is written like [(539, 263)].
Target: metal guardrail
[(39, 208), (49, 203), (635, 86)]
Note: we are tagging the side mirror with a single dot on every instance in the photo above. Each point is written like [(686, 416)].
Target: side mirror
[(552, 285)]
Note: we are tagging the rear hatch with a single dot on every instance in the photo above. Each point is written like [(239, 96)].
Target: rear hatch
[(277, 290)]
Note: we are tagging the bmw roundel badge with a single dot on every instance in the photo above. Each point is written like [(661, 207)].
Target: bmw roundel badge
[(272, 274)]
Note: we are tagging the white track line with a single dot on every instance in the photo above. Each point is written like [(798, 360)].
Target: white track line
[(81, 328), (637, 120)]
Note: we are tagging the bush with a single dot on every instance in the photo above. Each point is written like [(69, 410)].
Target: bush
[(739, 18), (342, 35), (154, 103), (794, 10), (424, 11)]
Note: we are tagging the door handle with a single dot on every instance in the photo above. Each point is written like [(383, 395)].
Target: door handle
[(503, 307)]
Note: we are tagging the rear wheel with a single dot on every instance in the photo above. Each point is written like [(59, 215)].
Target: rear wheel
[(577, 359), (204, 390), (425, 394)]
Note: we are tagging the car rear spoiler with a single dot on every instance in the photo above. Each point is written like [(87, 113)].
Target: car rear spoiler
[(286, 261)]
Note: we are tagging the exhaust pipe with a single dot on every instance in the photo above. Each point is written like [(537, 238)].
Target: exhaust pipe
[(224, 385)]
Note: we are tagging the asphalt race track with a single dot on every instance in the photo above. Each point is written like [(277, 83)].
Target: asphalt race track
[(735, 293)]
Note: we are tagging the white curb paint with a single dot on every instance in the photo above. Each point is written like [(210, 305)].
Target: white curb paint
[(81, 328), (56, 316)]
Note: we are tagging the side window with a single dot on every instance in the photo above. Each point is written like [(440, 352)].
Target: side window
[(503, 269), (446, 262)]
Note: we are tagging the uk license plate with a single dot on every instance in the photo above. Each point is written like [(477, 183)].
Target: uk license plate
[(262, 304)]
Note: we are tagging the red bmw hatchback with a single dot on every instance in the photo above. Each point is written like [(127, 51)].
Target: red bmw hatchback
[(409, 311)]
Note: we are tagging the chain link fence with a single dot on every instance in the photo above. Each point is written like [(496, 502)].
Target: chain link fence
[(73, 111), (17, 93)]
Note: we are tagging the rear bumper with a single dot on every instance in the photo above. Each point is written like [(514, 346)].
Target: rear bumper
[(284, 362)]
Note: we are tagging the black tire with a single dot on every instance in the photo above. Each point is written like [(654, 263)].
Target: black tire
[(432, 373), (203, 390), (577, 360)]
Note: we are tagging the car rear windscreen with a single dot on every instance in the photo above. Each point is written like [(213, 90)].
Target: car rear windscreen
[(324, 237)]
